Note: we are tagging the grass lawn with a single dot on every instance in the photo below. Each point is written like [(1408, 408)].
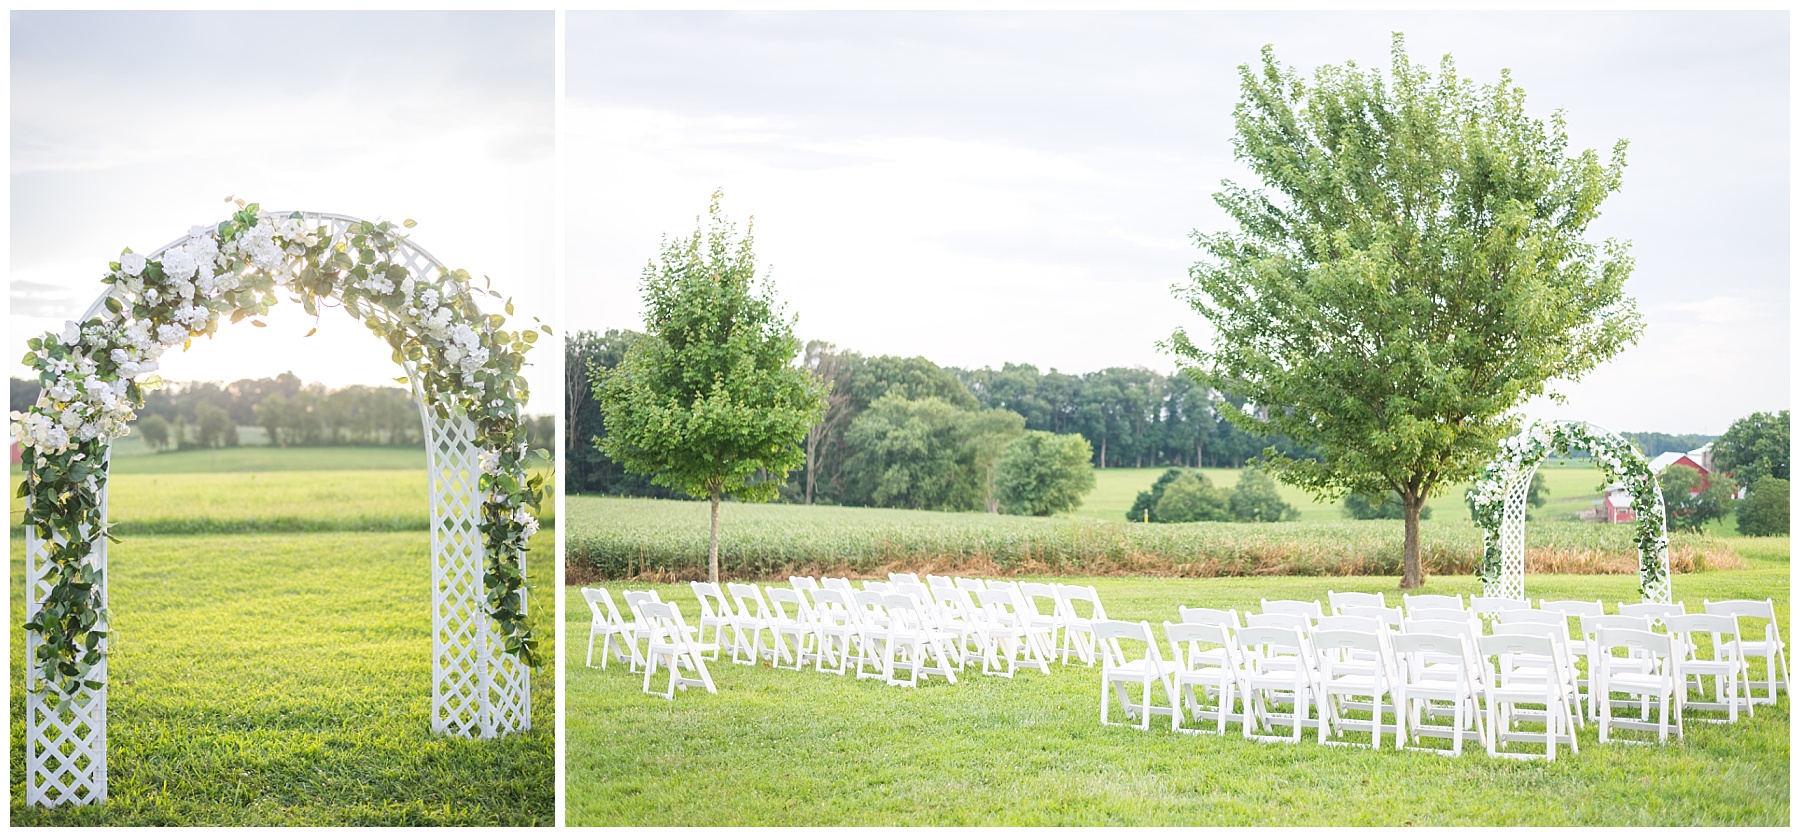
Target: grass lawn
[(285, 679), (778, 747)]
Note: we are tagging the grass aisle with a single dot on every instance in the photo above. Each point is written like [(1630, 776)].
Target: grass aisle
[(804, 748), (286, 680)]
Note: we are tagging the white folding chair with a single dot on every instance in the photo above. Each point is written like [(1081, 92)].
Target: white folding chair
[(1590, 633), (608, 625), (1431, 600), (1032, 594), (911, 643), (792, 618), (1339, 601), (752, 621), (1119, 670), (1265, 682), (1504, 698), (1456, 680), (1206, 662), (839, 634), (1769, 649), (1724, 664), (1004, 631), (1076, 625), (872, 626), (633, 601), (671, 641), (1525, 667), (715, 613), (1662, 682), (1345, 670)]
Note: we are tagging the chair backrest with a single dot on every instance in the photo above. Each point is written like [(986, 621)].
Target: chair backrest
[(1193, 636), (1641, 643), (1109, 633), (634, 601), (1210, 616), (842, 584), (1264, 639), (1431, 600), (1749, 609), (936, 581), (1536, 617), (973, 585), (665, 624), (712, 600), (1724, 630), (903, 611), (1447, 627), (1439, 614), (1389, 616), (592, 595), (907, 577), (1035, 590), (1293, 606), (1293, 621), (1339, 601), (998, 603), (1570, 607), (1071, 594), (1356, 624), (1330, 644), (1655, 611), (831, 605), (955, 604), (803, 582), (1510, 643), (870, 607), (780, 598), (1556, 632), (1496, 604), (1591, 625), (749, 600), (874, 586), (1427, 642)]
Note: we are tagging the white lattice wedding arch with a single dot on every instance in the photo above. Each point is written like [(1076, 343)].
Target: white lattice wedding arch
[(1498, 501), (464, 368)]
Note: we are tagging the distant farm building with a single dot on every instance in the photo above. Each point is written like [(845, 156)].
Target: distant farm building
[(1615, 506)]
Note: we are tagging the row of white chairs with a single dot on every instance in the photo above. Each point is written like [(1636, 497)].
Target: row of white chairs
[(885, 629), (1421, 668)]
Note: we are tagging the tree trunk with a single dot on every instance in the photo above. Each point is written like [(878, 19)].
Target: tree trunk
[(812, 459), (712, 549), (1102, 451), (1412, 574)]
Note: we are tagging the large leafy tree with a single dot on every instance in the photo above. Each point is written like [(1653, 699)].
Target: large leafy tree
[(709, 400), (1416, 268), (1754, 447), (1043, 473)]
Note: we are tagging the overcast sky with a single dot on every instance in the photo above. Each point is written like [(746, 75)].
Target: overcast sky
[(984, 188), (128, 128)]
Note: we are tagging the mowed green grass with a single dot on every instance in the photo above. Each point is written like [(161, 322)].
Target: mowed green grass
[(284, 678), (251, 490), (1573, 489), (785, 748)]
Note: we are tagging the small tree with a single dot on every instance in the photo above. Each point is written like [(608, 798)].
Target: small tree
[(1192, 497), (1754, 447), (708, 401), (1765, 511), (1042, 473), (1416, 270), (1690, 507), (156, 431), (214, 426), (1256, 498), (1143, 509)]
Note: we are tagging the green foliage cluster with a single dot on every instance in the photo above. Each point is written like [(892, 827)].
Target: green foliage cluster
[(1342, 304), (1042, 473), (1754, 447), (1184, 496), (1764, 511), (927, 453), (1689, 506)]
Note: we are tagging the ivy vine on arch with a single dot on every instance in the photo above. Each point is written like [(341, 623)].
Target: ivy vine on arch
[(1498, 501), (463, 363)]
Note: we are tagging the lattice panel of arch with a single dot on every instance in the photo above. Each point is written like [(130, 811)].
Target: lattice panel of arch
[(478, 689)]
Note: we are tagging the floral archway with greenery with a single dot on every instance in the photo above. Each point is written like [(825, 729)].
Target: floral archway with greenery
[(464, 367), (1498, 502)]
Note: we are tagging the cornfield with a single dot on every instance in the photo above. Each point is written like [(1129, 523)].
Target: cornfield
[(663, 540)]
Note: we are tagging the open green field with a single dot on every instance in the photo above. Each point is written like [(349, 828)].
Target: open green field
[(277, 669), (1573, 489), (785, 748), (615, 537)]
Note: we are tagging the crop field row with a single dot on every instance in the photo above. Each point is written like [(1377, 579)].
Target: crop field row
[(613, 537)]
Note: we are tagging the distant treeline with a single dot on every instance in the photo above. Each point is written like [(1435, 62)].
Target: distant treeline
[(290, 412), (906, 432)]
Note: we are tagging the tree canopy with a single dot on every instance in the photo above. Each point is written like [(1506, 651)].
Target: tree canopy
[(708, 401), (1754, 447), (1415, 268)]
